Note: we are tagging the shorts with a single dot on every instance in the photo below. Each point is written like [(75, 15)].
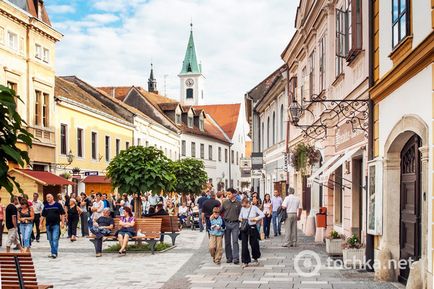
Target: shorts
[(12, 237)]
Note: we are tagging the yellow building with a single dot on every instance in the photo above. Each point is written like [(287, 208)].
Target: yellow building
[(91, 130)]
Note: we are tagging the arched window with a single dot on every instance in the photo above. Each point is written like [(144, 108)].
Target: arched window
[(268, 132), (282, 136), (189, 93), (274, 127), (262, 137)]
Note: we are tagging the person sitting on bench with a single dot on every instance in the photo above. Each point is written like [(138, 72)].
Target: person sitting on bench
[(127, 230), (103, 226)]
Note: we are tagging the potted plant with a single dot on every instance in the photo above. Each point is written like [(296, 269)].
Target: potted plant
[(66, 175), (334, 243), (353, 252)]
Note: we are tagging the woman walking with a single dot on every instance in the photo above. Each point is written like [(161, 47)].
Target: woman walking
[(250, 215), (268, 209), (73, 216), (26, 217)]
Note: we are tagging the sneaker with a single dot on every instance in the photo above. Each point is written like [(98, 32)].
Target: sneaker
[(98, 255), (228, 261), (236, 262), (54, 256), (50, 256), (255, 262), (217, 262)]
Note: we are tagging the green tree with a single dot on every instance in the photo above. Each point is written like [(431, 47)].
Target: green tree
[(12, 131), (190, 176), (141, 169)]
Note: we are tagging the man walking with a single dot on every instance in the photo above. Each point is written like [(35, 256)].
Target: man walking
[(276, 203), (12, 224), (231, 209), (200, 203), (292, 205), (37, 209), (207, 209), (54, 214)]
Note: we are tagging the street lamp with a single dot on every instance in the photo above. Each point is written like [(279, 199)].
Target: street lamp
[(295, 111), (70, 157)]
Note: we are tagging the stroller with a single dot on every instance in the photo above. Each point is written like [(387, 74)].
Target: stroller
[(194, 218)]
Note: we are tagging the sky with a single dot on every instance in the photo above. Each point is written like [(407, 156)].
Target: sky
[(113, 42)]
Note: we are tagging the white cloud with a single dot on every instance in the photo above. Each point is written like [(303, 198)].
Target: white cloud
[(238, 42), (60, 9)]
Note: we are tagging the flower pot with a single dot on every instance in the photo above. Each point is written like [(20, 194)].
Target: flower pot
[(334, 247), (354, 257)]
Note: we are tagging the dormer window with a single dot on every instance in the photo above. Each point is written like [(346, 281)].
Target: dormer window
[(190, 121), (201, 124), (178, 118)]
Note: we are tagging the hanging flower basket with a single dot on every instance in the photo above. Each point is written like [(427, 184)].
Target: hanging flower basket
[(303, 157)]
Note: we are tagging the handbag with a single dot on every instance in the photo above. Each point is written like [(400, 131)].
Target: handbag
[(245, 223)]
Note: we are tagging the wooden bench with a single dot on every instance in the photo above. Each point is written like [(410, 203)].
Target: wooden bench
[(18, 272), (150, 228), (169, 226)]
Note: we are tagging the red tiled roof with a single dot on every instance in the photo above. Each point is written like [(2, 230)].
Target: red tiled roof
[(118, 92), (45, 178), (96, 180), (226, 115)]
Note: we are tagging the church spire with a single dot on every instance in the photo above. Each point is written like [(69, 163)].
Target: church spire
[(190, 64), (152, 82)]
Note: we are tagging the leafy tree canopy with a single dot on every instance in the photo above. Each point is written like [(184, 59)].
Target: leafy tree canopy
[(141, 169), (12, 131), (190, 176)]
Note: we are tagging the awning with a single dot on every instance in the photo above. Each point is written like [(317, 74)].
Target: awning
[(315, 176), (348, 155), (44, 178), (96, 180)]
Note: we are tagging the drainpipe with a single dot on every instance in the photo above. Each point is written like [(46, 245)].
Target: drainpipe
[(370, 242), (288, 130)]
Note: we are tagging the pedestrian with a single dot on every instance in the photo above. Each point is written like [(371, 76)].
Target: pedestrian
[(200, 202), (250, 215), (231, 209), (12, 224), (25, 218), (276, 203), (53, 214), (126, 232), (73, 217), (267, 210), (84, 217), (292, 205), (2, 213), (207, 208), (216, 233), (103, 226), (97, 207), (37, 210)]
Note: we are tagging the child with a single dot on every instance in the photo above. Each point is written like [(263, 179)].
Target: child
[(216, 232)]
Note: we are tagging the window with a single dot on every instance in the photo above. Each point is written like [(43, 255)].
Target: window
[(201, 124), (341, 41), (38, 101), (46, 55), (45, 110), (38, 51), (238, 160), (303, 83), (94, 144), (274, 128), (311, 74), (107, 148), (118, 146), (226, 155), (189, 93), (400, 21), (193, 149), (232, 156), (190, 121), (262, 137), (202, 151), (210, 152), (268, 132), (220, 154), (282, 124), (348, 32), (183, 148), (79, 142), (127, 145), (63, 140), (178, 118), (322, 62), (138, 142), (13, 86), (13, 41)]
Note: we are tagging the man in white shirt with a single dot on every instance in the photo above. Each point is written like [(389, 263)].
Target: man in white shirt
[(293, 208), (38, 206)]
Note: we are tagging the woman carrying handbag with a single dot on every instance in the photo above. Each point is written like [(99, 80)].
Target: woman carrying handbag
[(250, 215)]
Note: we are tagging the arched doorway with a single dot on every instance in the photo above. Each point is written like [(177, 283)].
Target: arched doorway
[(410, 204)]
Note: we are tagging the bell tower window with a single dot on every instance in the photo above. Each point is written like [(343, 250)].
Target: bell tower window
[(189, 93)]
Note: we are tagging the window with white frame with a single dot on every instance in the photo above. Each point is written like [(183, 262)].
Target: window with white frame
[(12, 41), (282, 124), (183, 148), (400, 21), (202, 151), (210, 152), (220, 154), (46, 56), (107, 148), (38, 51), (80, 142), (63, 139), (178, 118), (201, 124), (193, 149)]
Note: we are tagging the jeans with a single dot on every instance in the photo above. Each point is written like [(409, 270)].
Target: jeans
[(277, 225), (36, 224), (232, 248), (252, 237), (26, 232), (84, 225), (53, 233), (267, 223), (200, 220)]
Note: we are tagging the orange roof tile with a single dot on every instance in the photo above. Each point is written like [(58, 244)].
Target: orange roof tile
[(119, 92), (226, 115)]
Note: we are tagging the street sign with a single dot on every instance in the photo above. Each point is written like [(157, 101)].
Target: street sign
[(91, 173), (257, 161)]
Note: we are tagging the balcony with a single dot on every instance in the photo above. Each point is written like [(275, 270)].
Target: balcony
[(43, 135)]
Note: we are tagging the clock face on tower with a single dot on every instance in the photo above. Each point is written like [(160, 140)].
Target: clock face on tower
[(189, 82)]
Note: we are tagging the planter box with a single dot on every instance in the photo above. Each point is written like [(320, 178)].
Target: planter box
[(334, 247), (354, 257)]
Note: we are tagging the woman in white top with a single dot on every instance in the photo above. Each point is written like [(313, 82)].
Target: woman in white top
[(252, 215), (268, 210)]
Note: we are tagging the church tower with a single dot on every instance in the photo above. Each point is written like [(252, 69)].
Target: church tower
[(191, 77), (152, 82)]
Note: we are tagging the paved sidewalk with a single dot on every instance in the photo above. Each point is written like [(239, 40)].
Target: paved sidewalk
[(276, 270)]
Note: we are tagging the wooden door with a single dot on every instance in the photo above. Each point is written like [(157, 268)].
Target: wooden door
[(410, 215), (306, 196)]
